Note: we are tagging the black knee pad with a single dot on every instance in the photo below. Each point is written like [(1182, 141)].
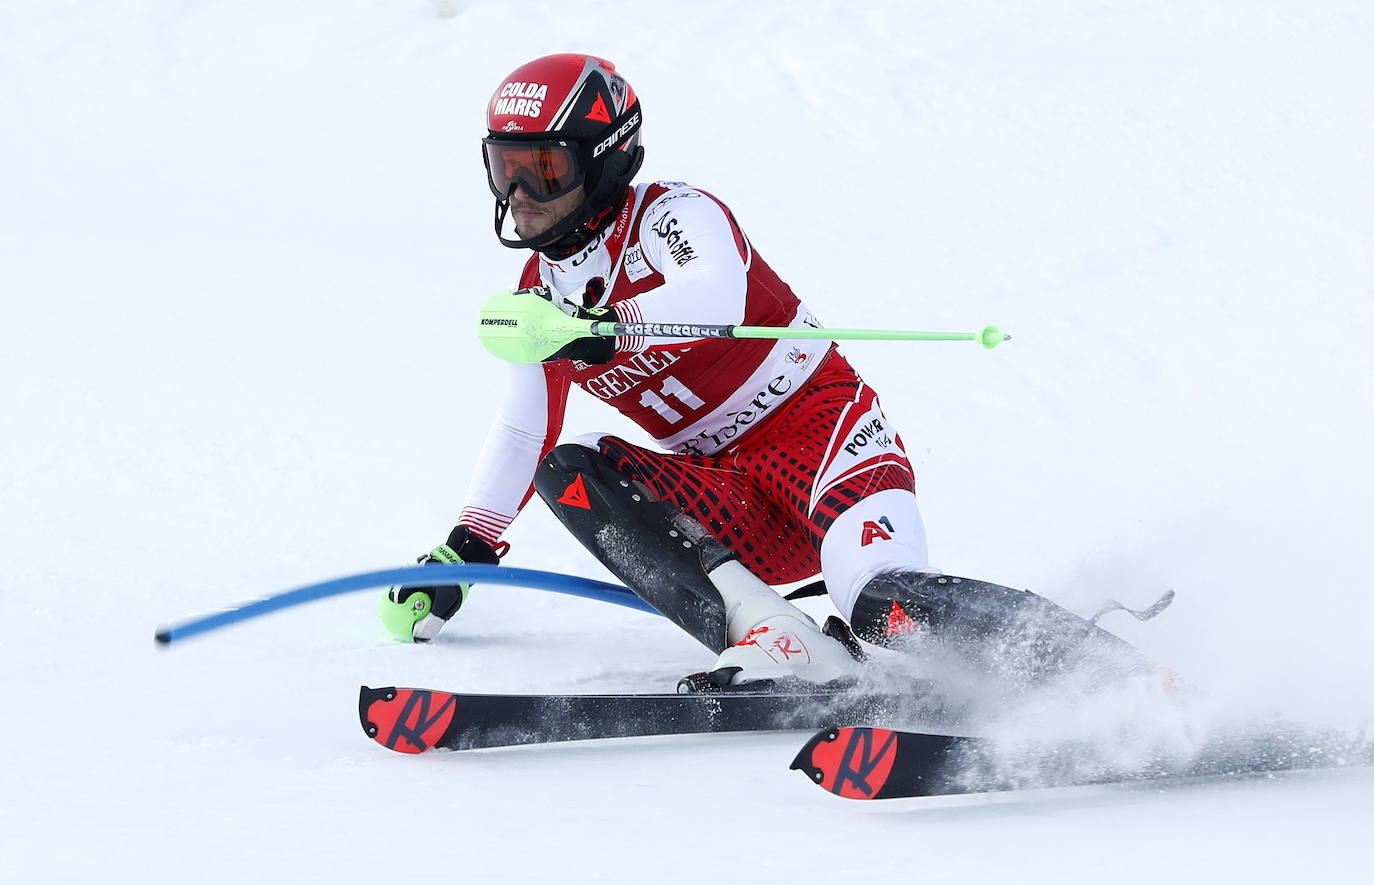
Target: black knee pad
[(662, 554), (1009, 632)]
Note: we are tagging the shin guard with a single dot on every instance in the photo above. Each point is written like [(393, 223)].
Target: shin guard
[(1012, 633), (660, 553)]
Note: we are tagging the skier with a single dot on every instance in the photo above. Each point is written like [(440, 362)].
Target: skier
[(781, 462)]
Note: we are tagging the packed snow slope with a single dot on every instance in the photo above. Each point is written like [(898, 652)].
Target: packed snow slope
[(241, 245)]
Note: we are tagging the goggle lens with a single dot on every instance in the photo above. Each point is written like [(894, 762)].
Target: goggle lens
[(546, 170)]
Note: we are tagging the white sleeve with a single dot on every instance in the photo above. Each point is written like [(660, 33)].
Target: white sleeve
[(687, 237), (526, 427)]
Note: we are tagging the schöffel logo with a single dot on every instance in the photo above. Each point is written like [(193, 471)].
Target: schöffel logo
[(679, 249)]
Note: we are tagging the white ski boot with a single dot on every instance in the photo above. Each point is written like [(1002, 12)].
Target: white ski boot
[(770, 638)]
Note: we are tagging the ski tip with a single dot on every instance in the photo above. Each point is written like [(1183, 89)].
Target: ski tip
[(407, 720), (850, 762), (163, 636), (802, 762)]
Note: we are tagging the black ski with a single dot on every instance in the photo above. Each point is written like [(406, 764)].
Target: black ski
[(413, 720), (876, 763)]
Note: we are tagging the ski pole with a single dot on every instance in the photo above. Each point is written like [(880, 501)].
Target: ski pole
[(409, 576), (522, 327)]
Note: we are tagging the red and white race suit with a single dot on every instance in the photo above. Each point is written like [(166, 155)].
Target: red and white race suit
[(778, 447)]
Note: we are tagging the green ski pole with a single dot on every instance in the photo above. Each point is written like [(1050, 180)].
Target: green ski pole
[(522, 327)]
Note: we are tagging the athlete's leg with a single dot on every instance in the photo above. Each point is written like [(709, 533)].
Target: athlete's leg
[(609, 500), (721, 497), (877, 534), (834, 462), (861, 510)]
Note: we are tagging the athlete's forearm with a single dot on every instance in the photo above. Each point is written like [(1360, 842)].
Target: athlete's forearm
[(525, 429)]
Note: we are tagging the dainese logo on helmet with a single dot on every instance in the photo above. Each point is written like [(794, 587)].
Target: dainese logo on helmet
[(616, 137)]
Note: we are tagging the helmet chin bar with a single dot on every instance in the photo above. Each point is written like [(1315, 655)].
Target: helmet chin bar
[(571, 233), (548, 242)]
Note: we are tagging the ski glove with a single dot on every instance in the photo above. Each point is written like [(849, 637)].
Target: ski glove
[(593, 350), (419, 613)]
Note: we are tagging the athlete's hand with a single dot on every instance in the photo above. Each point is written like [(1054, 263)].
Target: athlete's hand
[(419, 613), (595, 350)]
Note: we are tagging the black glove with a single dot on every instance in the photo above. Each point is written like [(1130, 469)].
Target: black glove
[(594, 350)]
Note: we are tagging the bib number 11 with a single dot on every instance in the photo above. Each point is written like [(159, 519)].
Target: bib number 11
[(671, 387)]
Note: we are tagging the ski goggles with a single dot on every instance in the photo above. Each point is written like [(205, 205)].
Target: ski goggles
[(545, 169)]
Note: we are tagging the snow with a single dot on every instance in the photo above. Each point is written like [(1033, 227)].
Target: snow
[(240, 248)]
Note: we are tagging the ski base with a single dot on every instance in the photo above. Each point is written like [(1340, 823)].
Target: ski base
[(878, 763), (413, 720)]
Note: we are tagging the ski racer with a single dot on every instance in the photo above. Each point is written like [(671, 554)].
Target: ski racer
[(780, 462)]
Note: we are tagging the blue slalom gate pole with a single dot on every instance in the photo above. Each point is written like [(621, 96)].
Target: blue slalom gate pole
[(410, 576)]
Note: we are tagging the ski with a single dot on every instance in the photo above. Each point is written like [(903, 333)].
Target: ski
[(878, 763), (413, 720)]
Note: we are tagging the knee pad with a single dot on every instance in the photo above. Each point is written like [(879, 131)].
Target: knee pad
[(1009, 632), (662, 554)]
